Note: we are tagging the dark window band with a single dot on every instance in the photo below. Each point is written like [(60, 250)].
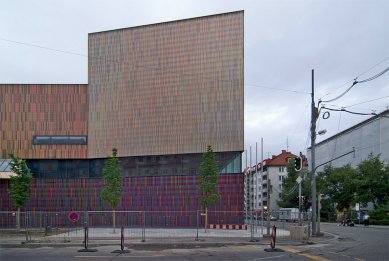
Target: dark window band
[(60, 140)]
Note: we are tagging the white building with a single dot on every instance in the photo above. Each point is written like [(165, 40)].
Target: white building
[(368, 137), (256, 183)]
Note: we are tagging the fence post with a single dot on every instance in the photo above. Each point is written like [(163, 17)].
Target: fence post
[(47, 228), (197, 219), (121, 251), (86, 242), (26, 225), (144, 227)]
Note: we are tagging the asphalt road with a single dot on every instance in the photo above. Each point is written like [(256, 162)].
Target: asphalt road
[(349, 243)]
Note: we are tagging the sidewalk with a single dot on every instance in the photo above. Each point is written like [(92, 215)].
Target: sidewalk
[(359, 225), (157, 238)]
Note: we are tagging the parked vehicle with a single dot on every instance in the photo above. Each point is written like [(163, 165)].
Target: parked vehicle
[(289, 214), (273, 218)]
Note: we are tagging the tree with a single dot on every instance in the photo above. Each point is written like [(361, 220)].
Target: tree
[(338, 184), (289, 195), (20, 185), (372, 181), (112, 190), (209, 173)]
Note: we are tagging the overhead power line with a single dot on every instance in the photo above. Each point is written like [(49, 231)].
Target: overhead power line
[(356, 82), (144, 66), (277, 89), (359, 103), (366, 71), (352, 112), (43, 47)]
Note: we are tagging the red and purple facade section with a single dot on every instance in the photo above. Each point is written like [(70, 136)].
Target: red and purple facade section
[(161, 196)]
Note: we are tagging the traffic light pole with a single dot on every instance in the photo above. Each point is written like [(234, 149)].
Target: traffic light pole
[(300, 222), (313, 138)]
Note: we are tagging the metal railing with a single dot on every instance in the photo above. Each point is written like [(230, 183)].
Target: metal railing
[(137, 225)]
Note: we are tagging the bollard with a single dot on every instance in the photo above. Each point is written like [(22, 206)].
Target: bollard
[(121, 251), (273, 238), (273, 242), (86, 241)]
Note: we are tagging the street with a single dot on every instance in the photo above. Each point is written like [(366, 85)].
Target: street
[(352, 243), (347, 243)]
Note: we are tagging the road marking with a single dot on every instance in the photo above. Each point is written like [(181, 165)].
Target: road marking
[(263, 258), (118, 256), (300, 253), (356, 258)]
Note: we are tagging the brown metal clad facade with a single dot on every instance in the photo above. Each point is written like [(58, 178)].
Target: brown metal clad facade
[(167, 88), (27, 110)]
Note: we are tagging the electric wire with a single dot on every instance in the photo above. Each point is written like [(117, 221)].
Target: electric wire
[(352, 105), (352, 112), (355, 83), (366, 71), (104, 59)]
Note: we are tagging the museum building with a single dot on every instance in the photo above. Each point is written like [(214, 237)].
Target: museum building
[(160, 94)]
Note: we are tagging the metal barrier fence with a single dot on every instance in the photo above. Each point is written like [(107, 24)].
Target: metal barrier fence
[(137, 225)]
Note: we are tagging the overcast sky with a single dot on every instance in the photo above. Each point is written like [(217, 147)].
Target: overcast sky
[(284, 41)]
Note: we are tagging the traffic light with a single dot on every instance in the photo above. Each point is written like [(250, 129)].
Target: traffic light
[(297, 163)]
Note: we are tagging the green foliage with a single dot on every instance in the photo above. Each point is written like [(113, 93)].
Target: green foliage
[(345, 186), (209, 173), (21, 183), (327, 210), (112, 191), (338, 184), (381, 213), (372, 181), (289, 195)]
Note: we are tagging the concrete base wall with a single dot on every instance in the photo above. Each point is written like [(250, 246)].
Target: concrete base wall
[(299, 233)]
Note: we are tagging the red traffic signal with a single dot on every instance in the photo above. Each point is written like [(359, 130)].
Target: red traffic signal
[(297, 163)]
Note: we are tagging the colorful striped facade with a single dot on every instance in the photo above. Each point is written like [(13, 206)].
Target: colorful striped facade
[(163, 195), (28, 110), (168, 88), (160, 94)]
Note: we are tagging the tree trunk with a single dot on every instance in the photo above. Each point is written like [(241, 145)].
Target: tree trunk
[(18, 220), (206, 219), (113, 217)]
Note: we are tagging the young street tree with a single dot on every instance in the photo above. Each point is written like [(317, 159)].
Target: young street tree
[(289, 195), (112, 190), (209, 173), (20, 185)]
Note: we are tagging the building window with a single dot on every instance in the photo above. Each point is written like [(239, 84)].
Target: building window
[(60, 140)]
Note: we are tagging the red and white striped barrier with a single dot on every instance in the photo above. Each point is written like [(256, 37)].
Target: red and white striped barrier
[(237, 227)]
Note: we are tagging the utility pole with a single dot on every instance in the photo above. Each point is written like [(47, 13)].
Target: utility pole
[(256, 177), (313, 138), (262, 186)]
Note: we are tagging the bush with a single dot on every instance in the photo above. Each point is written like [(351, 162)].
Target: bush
[(380, 215), (379, 222)]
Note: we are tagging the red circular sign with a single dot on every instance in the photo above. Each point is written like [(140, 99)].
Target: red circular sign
[(73, 216)]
